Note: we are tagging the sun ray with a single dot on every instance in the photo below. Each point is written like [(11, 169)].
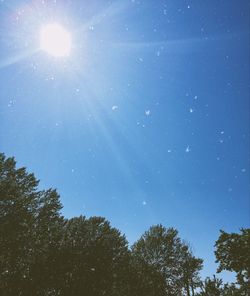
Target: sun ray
[(17, 58)]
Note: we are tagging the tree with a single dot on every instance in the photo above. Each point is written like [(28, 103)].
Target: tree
[(28, 219), (96, 258), (233, 254), (215, 287), (144, 279), (41, 253), (231, 290), (211, 287), (191, 267), (163, 249), (47, 233)]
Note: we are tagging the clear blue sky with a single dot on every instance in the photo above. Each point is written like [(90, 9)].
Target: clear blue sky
[(147, 120)]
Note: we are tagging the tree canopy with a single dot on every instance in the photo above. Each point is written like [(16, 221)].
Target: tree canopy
[(233, 254), (42, 253), (169, 255)]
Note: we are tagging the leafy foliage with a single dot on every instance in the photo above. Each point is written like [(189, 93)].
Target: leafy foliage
[(44, 254), (95, 257), (233, 254), (28, 223), (163, 249), (215, 287)]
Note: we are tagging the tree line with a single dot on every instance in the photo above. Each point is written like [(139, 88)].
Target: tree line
[(42, 253)]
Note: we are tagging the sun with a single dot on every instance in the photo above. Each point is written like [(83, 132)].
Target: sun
[(55, 40)]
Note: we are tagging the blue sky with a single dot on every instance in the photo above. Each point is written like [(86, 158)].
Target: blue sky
[(147, 120)]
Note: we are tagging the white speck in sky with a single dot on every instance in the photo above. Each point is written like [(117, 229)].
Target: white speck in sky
[(144, 203), (11, 103), (147, 112), (187, 149), (114, 107), (169, 150), (195, 97), (72, 170), (191, 110), (141, 60), (243, 170)]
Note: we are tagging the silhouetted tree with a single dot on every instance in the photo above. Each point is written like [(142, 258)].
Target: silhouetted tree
[(191, 267), (96, 258), (47, 236), (233, 254), (215, 287), (28, 219), (144, 279), (43, 254), (231, 290), (18, 204), (163, 249), (211, 287)]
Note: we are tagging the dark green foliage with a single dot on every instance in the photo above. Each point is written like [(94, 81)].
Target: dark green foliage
[(144, 279), (215, 287), (191, 267), (163, 250), (232, 290), (43, 254), (211, 287), (233, 254), (29, 228), (95, 258)]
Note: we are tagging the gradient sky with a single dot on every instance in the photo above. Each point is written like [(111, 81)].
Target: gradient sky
[(146, 122)]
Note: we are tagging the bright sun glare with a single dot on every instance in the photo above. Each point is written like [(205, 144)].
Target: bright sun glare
[(55, 40)]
